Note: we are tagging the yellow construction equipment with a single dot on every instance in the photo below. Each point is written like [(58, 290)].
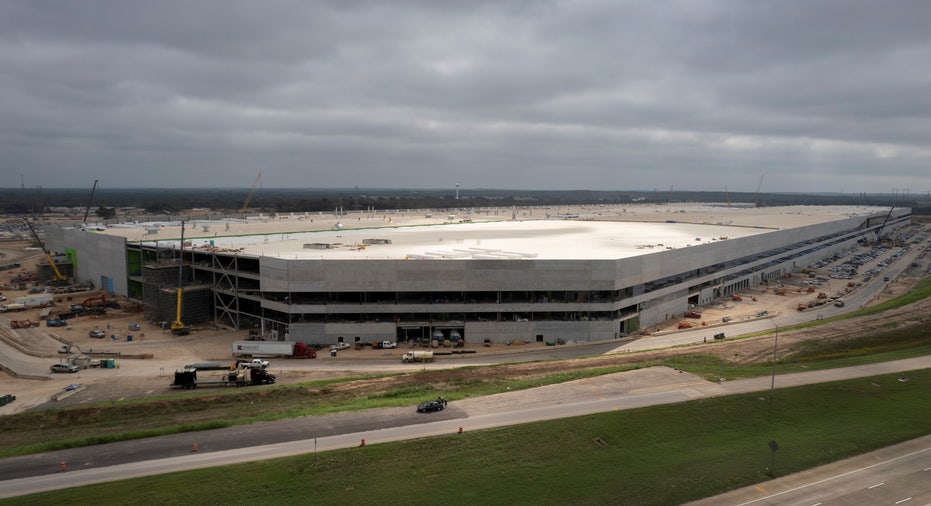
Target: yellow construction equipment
[(255, 184), (178, 327), (59, 277)]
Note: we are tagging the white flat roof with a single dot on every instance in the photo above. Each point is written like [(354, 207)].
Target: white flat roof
[(598, 232)]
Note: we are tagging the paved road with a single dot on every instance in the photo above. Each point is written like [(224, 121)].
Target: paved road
[(898, 474), (117, 461)]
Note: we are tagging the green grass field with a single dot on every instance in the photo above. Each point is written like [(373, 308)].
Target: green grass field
[(659, 455)]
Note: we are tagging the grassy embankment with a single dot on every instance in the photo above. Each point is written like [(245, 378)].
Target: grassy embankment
[(34, 432), (659, 455)]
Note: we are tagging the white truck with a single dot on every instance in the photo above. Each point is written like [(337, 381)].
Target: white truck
[(35, 300), (256, 363), (12, 307), (418, 356)]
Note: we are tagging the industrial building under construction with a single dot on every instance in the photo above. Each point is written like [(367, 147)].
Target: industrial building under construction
[(529, 274)]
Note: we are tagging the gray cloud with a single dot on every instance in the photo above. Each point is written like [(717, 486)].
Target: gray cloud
[(819, 96)]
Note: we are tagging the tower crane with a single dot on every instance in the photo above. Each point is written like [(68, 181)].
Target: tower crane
[(757, 200), (255, 184)]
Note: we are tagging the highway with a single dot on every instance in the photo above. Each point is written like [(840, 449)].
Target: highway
[(118, 461), (899, 474)]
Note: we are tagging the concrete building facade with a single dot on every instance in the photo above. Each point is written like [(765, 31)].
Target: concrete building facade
[(535, 280)]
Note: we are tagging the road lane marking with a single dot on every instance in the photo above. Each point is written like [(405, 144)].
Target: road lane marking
[(871, 487), (842, 475)]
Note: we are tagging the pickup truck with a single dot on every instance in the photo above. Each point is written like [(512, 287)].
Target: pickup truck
[(257, 363)]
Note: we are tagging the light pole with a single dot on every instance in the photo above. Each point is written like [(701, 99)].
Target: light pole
[(772, 384), (773, 446)]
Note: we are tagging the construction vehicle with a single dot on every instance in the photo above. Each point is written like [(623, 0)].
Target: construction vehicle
[(9, 308), (93, 306), (178, 327), (289, 349), (822, 295), (685, 325), (780, 291), (242, 375), (418, 356), (59, 277)]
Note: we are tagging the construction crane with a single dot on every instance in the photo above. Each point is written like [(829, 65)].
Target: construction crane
[(178, 327), (90, 201), (879, 232), (756, 202), (59, 277), (255, 184)]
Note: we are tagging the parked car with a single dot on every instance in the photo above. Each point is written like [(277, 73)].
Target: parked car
[(430, 406), (340, 346), (65, 368), (97, 333), (53, 322)]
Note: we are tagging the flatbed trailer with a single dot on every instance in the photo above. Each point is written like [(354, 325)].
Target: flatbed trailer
[(186, 378)]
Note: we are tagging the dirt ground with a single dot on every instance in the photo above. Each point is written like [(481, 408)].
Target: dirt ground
[(141, 378)]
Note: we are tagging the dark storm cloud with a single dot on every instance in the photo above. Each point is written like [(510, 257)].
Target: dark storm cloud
[(819, 96)]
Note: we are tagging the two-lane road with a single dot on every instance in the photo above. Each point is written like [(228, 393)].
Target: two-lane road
[(119, 461)]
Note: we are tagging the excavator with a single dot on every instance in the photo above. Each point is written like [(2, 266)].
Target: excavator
[(60, 278)]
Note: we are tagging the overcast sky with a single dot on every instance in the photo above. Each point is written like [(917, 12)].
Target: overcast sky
[(814, 96)]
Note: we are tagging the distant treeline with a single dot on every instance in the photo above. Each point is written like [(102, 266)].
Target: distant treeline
[(17, 201)]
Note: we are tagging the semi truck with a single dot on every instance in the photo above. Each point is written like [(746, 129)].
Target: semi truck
[(257, 349), (9, 308), (418, 356), (186, 377), (34, 300)]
